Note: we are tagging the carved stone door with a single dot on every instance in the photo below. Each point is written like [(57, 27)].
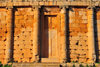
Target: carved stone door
[(50, 37)]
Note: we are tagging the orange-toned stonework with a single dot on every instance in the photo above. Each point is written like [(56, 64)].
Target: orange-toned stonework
[(78, 45), (49, 31)]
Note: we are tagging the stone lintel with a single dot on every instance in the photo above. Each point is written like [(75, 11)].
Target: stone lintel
[(64, 6), (9, 7), (36, 7)]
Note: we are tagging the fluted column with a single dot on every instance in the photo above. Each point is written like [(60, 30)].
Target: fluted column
[(36, 34), (63, 34), (91, 39), (9, 42)]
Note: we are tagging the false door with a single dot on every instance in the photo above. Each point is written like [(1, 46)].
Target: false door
[(50, 39)]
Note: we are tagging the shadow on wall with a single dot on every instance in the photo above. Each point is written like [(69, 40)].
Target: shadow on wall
[(96, 35), (67, 35), (12, 41)]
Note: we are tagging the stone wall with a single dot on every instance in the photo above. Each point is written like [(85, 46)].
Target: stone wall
[(22, 33), (78, 46), (3, 33)]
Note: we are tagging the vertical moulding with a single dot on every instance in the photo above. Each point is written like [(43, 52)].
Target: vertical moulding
[(63, 34), (36, 34), (91, 39), (9, 43)]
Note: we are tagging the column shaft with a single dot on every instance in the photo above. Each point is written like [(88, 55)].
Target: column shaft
[(63, 33), (9, 43), (36, 35), (91, 40)]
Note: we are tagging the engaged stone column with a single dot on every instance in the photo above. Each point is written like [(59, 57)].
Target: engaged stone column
[(36, 34), (91, 40), (9, 43), (63, 34)]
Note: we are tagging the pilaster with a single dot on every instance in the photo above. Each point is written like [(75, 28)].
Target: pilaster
[(63, 34), (36, 33), (91, 39), (9, 43)]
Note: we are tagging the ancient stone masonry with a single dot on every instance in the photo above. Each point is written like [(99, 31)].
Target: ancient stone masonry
[(23, 35), (3, 34), (78, 37), (49, 31)]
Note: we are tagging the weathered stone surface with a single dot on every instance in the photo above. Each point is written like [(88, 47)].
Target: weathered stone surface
[(49, 33), (3, 33), (78, 47), (23, 35)]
